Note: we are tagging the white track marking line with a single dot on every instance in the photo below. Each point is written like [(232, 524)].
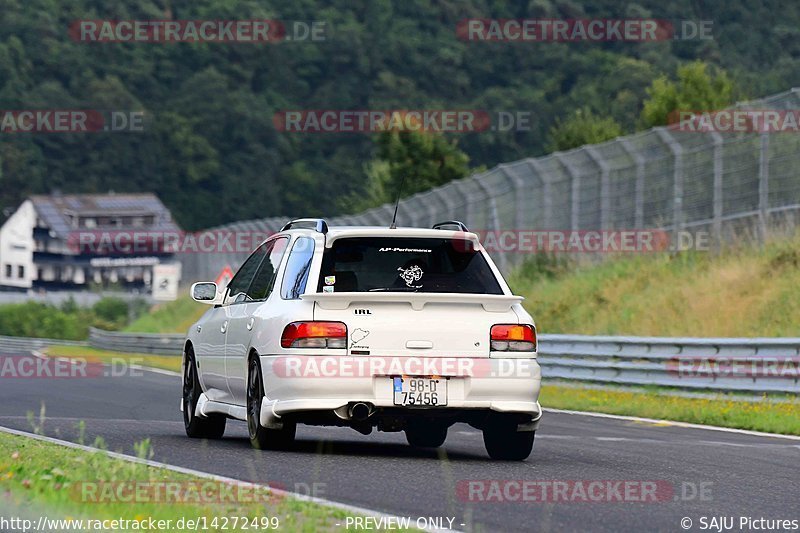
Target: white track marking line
[(156, 370), (94, 419), (222, 479), (674, 423)]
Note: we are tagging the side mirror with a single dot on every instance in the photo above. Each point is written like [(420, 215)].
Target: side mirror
[(204, 292)]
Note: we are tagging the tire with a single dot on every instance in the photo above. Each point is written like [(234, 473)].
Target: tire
[(504, 443), (426, 435), (211, 427), (263, 438)]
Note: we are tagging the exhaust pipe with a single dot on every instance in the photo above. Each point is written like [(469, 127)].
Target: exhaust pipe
[(360, 411)]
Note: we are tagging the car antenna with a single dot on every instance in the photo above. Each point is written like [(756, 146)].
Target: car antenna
[(397, 203)]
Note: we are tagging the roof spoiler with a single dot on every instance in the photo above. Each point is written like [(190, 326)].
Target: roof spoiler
[(460, 225), (317, 224)]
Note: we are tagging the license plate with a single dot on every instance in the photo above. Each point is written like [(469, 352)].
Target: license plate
[(419, 391)]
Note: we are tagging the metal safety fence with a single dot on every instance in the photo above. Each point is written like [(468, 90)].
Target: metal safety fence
[(715, 364), (145, 343), (665, 178)]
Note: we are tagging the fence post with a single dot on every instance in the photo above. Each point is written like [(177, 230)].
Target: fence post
[(388, 213), (459, 187), (547, 192), (519, 199), (605, 185), (638, 186), (763, 185), (440, 195), (373, 217), (717, 198), (677, 192), (446, 197), (575, 192), (430, 210), (494, 220)]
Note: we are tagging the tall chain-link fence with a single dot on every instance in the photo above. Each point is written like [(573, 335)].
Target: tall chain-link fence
[(664, 178)]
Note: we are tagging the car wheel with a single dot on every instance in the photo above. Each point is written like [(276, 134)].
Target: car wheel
[(423, 434), (211, 427), (260, 437), (503, 442)]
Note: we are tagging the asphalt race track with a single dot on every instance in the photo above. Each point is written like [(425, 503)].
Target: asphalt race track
[(737, 474)]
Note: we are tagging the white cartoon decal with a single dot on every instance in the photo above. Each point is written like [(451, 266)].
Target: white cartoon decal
[(411, 275)]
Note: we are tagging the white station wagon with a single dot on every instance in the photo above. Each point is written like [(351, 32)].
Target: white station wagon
[(399, 329)]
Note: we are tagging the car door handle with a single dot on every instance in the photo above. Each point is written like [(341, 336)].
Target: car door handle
[(224, 327), (250, 323)]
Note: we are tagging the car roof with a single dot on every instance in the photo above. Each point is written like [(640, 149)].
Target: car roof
[(337, 232)]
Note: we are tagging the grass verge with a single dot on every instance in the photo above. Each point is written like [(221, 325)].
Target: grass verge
[(44, 479), (170, 317), (745, 291), (164, 362), (725, 411)]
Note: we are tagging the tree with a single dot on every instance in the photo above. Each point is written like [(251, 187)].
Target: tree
[(580, 128), (698, 88), (425, 159)]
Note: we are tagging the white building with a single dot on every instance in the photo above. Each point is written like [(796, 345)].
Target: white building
[(55, 242)]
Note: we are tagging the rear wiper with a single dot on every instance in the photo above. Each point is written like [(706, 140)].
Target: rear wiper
[(393, 289)]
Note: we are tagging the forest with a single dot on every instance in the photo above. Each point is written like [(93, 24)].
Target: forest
[(210, 147)]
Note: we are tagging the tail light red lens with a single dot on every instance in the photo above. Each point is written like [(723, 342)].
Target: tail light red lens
[(513, 338), (314, 335)]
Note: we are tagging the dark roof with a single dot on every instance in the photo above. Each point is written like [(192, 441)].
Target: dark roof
[(53, 209)]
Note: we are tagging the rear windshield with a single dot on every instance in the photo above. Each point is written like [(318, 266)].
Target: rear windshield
[(361, 264)]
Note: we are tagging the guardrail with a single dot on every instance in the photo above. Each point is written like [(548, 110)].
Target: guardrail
[(14, 345), (723, 364), (149, 343)]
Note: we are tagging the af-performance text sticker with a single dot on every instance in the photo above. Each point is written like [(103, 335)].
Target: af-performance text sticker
[(406, 250)]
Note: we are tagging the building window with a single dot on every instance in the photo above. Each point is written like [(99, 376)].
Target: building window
[(8, 271), (20, 271)]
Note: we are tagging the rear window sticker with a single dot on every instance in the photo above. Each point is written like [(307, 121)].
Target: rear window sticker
[(411, 275)]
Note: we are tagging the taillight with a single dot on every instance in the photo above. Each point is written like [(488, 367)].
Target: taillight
[(314, 335), (513, 338)]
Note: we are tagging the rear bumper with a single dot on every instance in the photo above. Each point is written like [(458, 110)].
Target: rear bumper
[(498, 385)]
